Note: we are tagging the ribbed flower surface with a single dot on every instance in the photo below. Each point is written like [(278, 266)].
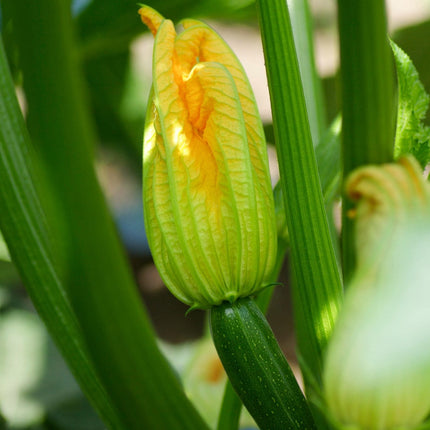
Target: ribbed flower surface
[(377, 369), (208, 203)]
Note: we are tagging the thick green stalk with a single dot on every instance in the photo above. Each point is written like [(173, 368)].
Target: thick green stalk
[(368, 104), (104, 297), (23, 224), (317, 288)]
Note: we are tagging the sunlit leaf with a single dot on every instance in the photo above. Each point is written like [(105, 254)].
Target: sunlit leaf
[(412, 135)]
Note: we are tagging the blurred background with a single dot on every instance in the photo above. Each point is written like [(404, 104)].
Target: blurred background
[(36, 389)]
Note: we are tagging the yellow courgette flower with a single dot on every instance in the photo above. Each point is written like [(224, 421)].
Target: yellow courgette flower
[(377, 364), (208, 202)]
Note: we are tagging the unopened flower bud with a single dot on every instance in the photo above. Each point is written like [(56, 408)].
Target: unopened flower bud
[(377, 369), (208, 203)]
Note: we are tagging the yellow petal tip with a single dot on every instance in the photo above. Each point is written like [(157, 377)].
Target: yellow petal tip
[(151, 18)]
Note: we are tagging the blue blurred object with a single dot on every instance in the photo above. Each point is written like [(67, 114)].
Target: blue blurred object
[(79, 5), (132, 229)]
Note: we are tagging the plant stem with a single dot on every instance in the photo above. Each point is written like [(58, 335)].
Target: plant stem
[(317, 288), (368, 104)]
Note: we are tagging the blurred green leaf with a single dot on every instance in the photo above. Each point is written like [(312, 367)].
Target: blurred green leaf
[(107, 78), (24, 225), (412, 136)]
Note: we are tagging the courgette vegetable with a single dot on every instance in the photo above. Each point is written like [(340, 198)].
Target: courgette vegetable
[(256, 367)]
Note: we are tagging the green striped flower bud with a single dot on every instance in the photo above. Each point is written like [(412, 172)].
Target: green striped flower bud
[(208, 202)]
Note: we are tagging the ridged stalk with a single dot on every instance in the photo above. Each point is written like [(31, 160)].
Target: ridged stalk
[(317, 288)]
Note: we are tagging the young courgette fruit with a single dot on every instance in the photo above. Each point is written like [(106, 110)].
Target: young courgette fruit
[(257, 368)]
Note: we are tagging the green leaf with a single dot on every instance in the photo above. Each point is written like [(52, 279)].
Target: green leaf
[(108, 78), (415, 41), (317, 288), (412, 135)]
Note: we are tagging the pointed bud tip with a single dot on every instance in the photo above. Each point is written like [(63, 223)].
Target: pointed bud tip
[(151, 18)]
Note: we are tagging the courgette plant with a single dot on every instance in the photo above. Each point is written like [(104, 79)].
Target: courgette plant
[(218, 233)]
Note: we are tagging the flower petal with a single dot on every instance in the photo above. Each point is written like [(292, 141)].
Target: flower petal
[(151, 18)]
